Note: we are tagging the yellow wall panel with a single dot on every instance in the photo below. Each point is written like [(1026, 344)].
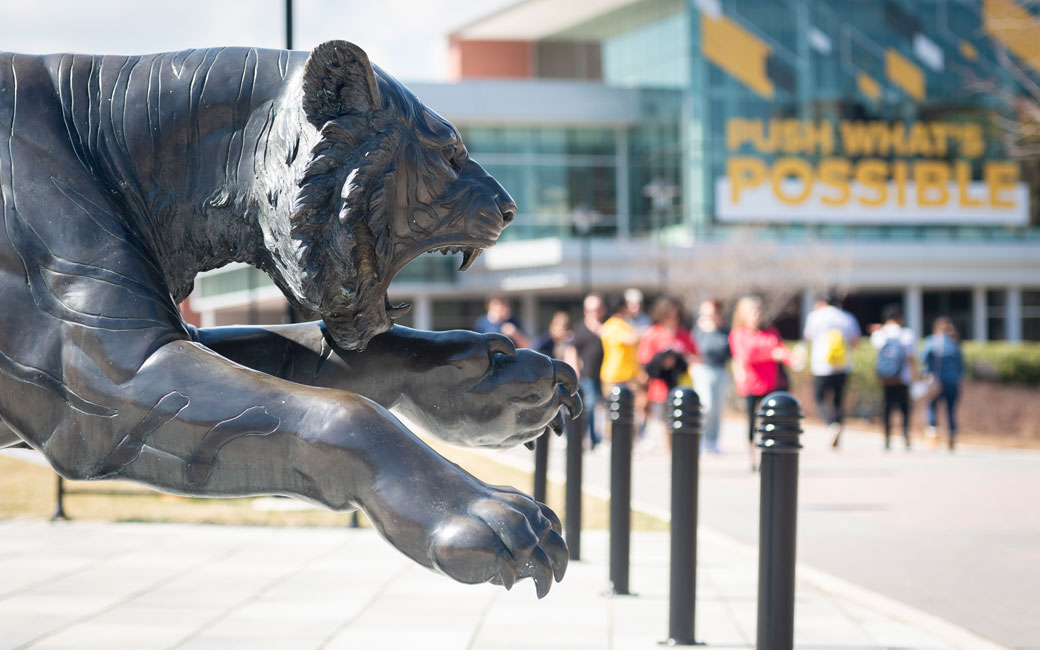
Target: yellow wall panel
[(737, 51), (904, 74), (1014, 28), (968, 51), (868, 86)]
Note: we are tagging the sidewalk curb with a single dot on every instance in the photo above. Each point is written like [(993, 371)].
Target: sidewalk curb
[(957, 636)]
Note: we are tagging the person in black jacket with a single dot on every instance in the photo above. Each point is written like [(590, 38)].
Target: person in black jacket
[(589, 353)]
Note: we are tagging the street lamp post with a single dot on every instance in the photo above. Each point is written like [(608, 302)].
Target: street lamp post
[(584, 219), (661, 194), (288, 24)]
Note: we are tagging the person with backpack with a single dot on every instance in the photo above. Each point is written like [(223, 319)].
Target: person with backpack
[(895, 367), (942, 360), (831, 332)]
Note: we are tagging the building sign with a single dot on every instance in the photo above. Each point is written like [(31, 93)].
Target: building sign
[(866, 172)]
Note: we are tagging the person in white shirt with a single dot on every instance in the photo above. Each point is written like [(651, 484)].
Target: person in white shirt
[(832, 333), (895, 368)]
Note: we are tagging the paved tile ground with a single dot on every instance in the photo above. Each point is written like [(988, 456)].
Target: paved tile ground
[(85, 585), (952, 536)]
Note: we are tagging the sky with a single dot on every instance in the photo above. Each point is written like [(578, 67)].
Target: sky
[(407, 38)]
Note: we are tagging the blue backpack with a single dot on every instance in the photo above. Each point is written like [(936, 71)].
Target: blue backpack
[(889, 364), (947, 358)]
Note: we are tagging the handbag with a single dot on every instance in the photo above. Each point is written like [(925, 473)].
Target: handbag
[(925, 389)]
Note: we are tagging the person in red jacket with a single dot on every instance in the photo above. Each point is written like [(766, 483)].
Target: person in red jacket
[(666, 350), (757, 351)]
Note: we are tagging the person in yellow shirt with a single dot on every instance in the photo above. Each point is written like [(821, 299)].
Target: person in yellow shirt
[(619, 339)]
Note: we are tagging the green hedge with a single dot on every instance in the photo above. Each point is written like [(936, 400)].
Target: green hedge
[(1007, 363), (996, 361)]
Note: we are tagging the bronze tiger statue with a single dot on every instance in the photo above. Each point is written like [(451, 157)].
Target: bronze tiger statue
[(123, 177)]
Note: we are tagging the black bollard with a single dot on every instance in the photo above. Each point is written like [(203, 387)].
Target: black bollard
[(541, 466), (354, 521), (572, 502), (622, 426), (779, 417), (685, 422), (59, 507)]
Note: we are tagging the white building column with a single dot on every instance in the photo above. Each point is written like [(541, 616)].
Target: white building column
[(422, 312), (529, 314), (914, 309), (208, 318), (979, 314), (1014, 314)]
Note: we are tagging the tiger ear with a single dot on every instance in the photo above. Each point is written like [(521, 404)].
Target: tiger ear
[(338, 80)]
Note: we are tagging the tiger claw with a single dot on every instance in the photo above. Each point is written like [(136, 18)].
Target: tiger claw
[(506, 575), (558, 423), (571, 402), (556, 549), (539, 568)]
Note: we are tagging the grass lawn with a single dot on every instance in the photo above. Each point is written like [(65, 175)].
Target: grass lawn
[(28, 490)]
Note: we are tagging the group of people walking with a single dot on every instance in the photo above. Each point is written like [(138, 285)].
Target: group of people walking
[(616, 343), (932, 375)]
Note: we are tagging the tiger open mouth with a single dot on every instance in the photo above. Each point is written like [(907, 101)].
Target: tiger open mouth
[(470, 252)]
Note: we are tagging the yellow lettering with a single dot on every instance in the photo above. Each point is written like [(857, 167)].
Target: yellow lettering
[(819, 137), (763, 144), (737, 133), (899, 175), (893, 138), (932, 179), (856, 138), (940, 134), (1001, 177), (797, 167), (918, 141), (790, 136), (744, 172), (871, 173), (972, 142), (834, 172), (962, 169)]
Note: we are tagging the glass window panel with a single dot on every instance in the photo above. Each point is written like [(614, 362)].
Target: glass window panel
[(240, 279), (515, 140), (552, 192), (600, 142), (1031, 329), (995, 329), (479, 138), (551, 141)]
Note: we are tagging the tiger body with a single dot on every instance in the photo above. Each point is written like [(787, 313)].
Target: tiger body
[(123, 177)]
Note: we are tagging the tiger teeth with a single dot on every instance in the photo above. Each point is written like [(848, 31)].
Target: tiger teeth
[(396, 311), (469, 256)]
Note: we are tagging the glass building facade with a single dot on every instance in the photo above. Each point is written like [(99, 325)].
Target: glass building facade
[(885, 119), (879, 141)]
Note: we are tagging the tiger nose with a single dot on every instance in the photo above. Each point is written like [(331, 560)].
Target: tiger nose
[(506, 206)]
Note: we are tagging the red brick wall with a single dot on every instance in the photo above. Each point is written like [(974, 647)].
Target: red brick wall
[(490, 59)]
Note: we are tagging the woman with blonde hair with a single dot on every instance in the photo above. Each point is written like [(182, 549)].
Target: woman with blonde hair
[(757, 350)]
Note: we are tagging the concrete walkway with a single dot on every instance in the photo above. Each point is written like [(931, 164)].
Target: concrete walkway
[(85, 585)]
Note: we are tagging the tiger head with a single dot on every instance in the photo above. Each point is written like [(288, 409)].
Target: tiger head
[(386, 181)]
